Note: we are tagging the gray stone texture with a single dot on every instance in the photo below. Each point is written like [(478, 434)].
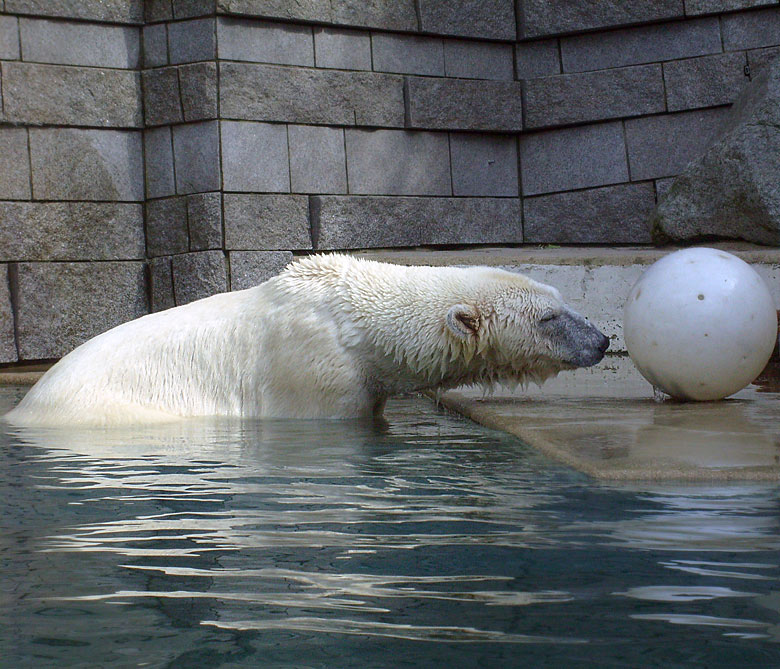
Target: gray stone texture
[(345, 222), (61, 305), (255, 157), (458, 104), (100, 164), (407, 54), (204, 218), (634, 46), (166, 227), (594, 96), (551, 17), (265, 42), (571, 158), (192, 41), (708, 81), (72, 43), (609, 215), (251, 268), (158, 162), (158, 10), (694, 7), (162, 103), (484, 165), (198, 86), (155, 41), (317, 159), (110, 11), (266, 222), (397, 15), (9, 38), (540, 58), (187, 9), (198, 275), (14, 164), (161, 284), (759, 58), (61, 95), (342, 49), (661, 146), (733, 190), (490, 19), (393, 162), (662, 187), (750, 30), (478, 60), (196, 157), (71, 231), (7, 338), (329, 97)]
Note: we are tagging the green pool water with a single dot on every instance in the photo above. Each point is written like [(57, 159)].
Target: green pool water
[(425, 541)]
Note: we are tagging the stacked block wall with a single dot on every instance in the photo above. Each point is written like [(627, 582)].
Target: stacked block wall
[(270, 128)]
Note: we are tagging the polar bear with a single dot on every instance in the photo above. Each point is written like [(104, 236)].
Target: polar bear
[(332, 336)]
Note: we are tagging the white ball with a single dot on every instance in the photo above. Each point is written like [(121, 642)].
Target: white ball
[(700, 324)]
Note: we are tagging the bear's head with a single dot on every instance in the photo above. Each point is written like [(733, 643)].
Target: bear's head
[(522, 330)]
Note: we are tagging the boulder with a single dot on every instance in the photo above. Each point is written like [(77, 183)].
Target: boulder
[(733, 190)]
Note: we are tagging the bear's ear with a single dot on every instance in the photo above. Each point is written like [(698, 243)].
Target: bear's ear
[(463, 321)]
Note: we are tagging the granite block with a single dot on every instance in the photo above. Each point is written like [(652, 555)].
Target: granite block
[(399, 15), (161, 284), (661, 146), (158, 10), (71, 231), (61, 305), (484, 165), (478, 60), (299, 95), (662, 187), (72, 43), (609, 215), (647, 44), (758, 58), (539, 58), (100, 164), (708, 81), (62, 95), (162, 104), (593, 96), (489, 19), (393, 162), (198, 86), (317, 159), (407, 54), (459, 104), (192, 41), (14, 164), (266, 222), (187, 9), (196, 157), (158, 162), (166, 226), (204, 216), (198, 275), (110, 11), (8, 351), (751, 30), (539, 18), (251, 268), (694, 7), (9, 38), (155, 41), (347, 222), (255, 157), (265, 42), (342, 49), (569, 158)]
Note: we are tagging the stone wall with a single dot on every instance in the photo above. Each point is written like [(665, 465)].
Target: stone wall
[(236, 133)]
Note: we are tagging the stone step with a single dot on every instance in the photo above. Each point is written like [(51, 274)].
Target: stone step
[(593, 280)]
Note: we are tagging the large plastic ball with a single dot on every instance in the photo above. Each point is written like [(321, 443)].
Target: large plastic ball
[(700, 324)]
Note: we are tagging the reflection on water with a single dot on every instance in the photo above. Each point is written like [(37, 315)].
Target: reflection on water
[(336, 544)]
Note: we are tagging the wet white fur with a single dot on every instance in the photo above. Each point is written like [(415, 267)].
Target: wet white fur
[(331, 336)]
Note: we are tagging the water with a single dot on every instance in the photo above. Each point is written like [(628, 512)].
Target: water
[(423, 542)]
